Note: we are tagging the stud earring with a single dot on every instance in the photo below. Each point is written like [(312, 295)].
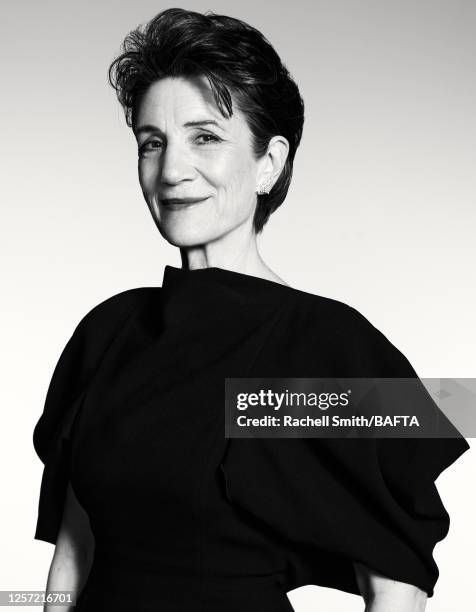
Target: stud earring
[(265, 187)]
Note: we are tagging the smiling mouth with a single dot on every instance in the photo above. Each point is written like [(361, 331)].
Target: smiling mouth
[(178, 203)]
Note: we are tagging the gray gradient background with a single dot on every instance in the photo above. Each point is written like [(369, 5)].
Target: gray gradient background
[(380, 214)]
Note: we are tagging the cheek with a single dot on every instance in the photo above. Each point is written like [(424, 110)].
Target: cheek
[(234, 178), (148, 175)]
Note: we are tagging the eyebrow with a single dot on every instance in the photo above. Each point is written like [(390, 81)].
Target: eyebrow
[(153, 128)]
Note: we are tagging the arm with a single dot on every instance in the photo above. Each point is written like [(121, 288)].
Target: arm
[(382, 594), (73, 554)]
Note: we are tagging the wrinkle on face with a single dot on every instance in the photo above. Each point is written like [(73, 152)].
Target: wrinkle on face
[(186, 164)]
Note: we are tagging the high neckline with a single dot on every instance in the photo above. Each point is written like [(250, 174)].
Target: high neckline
[(213, 274), (194, 297)]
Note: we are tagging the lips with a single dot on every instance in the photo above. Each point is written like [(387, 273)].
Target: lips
[(182, 201)]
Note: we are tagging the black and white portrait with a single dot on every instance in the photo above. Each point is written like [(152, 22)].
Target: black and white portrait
[(202, 193)]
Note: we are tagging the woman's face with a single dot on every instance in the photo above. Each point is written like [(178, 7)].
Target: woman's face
[(187, 149)]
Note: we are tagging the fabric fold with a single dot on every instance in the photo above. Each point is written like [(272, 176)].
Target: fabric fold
[(67, 390), (56, 473), (353, 499)]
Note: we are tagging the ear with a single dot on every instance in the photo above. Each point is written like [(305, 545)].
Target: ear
[(273, 160)]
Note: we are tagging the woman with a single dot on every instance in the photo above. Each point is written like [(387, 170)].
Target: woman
[(150, 507)]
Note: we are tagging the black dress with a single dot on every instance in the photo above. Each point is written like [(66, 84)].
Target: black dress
[(186, 519)]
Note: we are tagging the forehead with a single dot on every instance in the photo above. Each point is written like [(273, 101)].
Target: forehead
[(182, 99)]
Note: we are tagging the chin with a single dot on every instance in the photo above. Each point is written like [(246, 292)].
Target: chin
[(182, 237)]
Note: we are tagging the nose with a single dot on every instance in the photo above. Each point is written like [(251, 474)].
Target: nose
[(175, 164)]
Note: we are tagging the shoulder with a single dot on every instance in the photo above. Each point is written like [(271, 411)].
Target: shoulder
[(80, 358), (103, 321), (348, 337), (105, 318), (318, 313), (97, 328), (117, 307)]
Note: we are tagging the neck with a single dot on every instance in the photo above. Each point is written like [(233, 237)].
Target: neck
[(237, 251)]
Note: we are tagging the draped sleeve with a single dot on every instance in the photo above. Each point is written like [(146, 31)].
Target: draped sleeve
[(71, 376), (332, 502)]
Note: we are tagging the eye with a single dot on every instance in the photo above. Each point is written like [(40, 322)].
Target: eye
[(151, 145), (208, 138)]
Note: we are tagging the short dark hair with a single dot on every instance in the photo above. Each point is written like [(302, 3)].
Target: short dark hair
[(234, 57)]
